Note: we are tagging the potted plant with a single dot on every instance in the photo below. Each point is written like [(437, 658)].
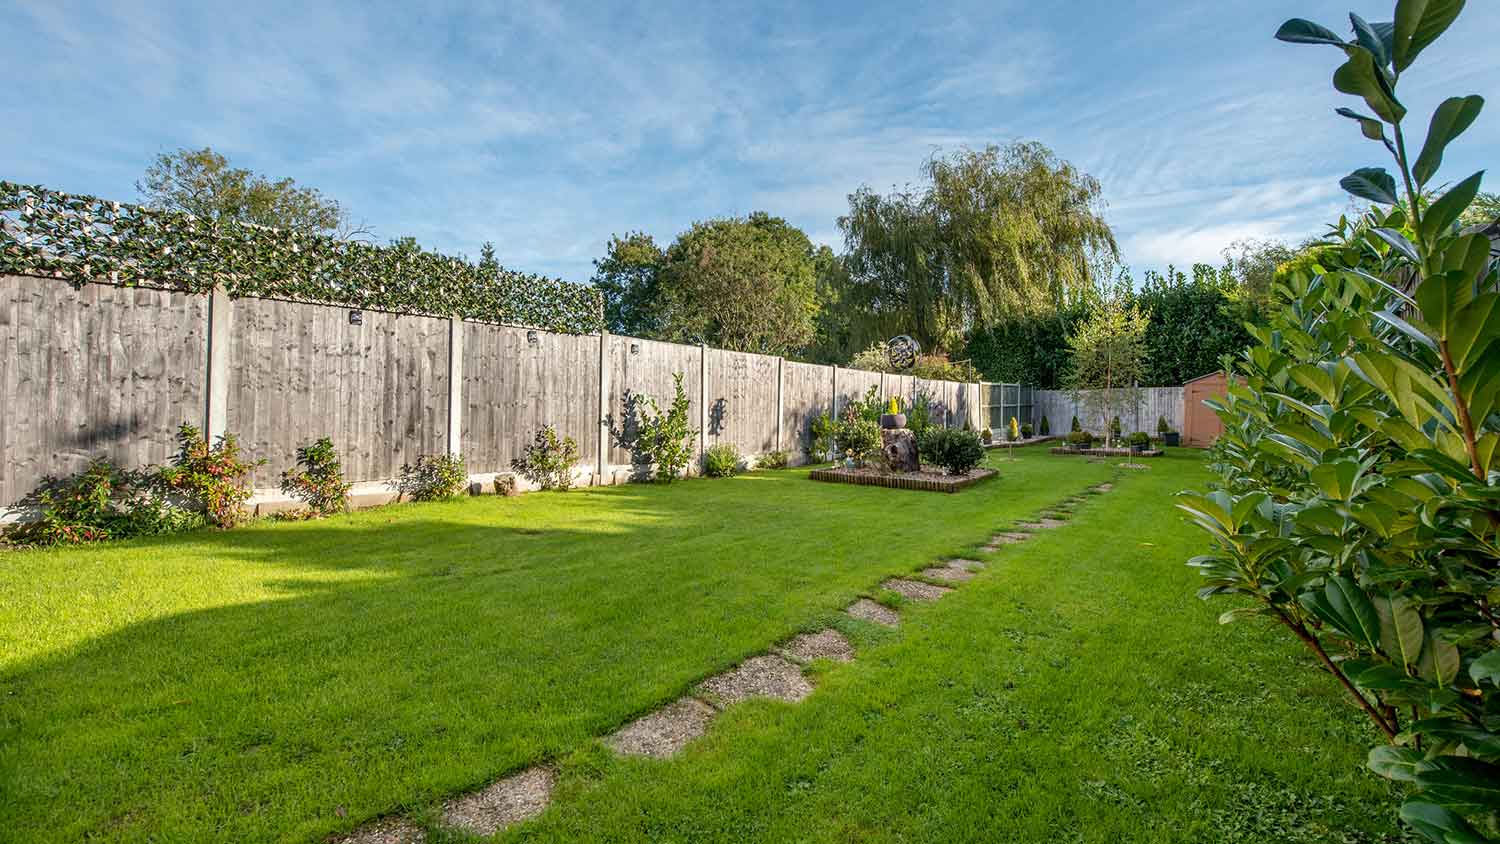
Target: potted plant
[(1026, 431), (1079, 440), (893, 417), (1165, 433), (1139, 441), (988, 436)]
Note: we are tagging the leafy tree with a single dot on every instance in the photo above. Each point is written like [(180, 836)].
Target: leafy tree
[(1483, 211), (747, 284), (1192, 324), (1356, 503), (201, 182), (629, 277), (991, 233), (1107, 362), (1252, 264), (837, 333)]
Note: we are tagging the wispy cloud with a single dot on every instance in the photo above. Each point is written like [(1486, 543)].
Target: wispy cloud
[(546, 127)]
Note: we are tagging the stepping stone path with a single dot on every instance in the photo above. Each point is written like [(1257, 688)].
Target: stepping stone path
[(915, 590), (386, 831), (948, 574), (665, 731), (868, 610), (824, 644), (759, 676), (514, 799), (668, 730), (1104, 487)]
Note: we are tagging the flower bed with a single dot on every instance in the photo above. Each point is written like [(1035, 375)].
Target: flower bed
[(931, 480)]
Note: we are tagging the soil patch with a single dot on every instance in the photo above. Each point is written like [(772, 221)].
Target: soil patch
[(664, 732), (508, 801), (758, 676), (915, 590), (824, 644), (868, 610)]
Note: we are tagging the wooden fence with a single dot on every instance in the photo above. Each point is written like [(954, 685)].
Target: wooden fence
[(1060, 407), (111, 372)]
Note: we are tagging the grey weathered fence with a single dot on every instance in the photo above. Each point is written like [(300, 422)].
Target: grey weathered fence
[(110, 372), (1060, 407)]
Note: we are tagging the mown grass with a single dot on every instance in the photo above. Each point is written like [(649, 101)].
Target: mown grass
[(285, 682)]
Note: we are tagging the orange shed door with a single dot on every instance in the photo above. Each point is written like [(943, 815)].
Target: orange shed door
[(1201, 426)]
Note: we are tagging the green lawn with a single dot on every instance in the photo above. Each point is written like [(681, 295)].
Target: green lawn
[(288, 681)]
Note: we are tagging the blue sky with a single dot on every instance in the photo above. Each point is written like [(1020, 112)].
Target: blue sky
[(545, 128)]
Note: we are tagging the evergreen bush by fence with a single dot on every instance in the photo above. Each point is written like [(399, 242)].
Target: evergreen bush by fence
[(81, 239)]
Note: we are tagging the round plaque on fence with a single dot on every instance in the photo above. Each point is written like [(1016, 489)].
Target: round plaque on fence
[(902, 351)]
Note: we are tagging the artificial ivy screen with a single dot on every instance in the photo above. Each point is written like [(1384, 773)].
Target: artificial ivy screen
[(84, 239)]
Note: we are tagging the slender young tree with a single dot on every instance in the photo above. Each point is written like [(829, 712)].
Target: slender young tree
[(1108, 359)]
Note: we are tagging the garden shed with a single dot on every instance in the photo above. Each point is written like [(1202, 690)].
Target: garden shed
[(1200, 425)]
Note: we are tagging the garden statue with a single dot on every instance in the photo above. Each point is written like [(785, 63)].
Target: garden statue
[(898, 445)]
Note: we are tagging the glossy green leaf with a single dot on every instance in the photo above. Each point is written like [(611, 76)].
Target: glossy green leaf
[(1345, 608), (1299, 31), (1372, 183), (1446, 209), (1486, 669), (1401, 631), (1439, 660), (1474, 329), (1394, 763), (1397, 241), (1440, 824), (1368, 126), (1418, 24), (1360, 76), (1365, 34), (1460, 783), (1451, 118)]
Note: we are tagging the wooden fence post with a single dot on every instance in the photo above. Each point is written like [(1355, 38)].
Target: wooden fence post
[(702, 403), (216, 401), (833, 403), (780, 400), (602, 458), (455, 385)]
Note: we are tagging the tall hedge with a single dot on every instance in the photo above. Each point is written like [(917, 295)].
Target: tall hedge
[(81, 239)]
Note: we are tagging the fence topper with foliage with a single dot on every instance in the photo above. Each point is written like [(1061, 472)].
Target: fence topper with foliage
[(83, 239)]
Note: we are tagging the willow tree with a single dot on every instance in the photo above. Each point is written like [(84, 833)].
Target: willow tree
[(989, 234)]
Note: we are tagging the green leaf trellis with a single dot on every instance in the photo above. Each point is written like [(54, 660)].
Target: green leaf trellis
[(82, 239)]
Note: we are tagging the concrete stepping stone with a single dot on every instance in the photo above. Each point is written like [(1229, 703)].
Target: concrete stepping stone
[(948, 574), (759, 676), (1043, 524), (516, 798), (664, 732), (824, 644), (915, 590), (868, 610), (386, 831), (1104, 487), (961, 563)]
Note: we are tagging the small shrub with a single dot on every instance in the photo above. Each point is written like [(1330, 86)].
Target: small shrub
[(1139, 439), (1076, 427), (1043, 429), (773, 460), (894, 406), (1080, 439), (722, 460), (101, 502), (665, 439), (987, 435), (919, 415), (956, 451), (1026, 431), (548, 461), (1014, 430), (824, 433), (858, 438), (1114, 429), (1161, 425), (318, 480), (212, 479), (433, 477)]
